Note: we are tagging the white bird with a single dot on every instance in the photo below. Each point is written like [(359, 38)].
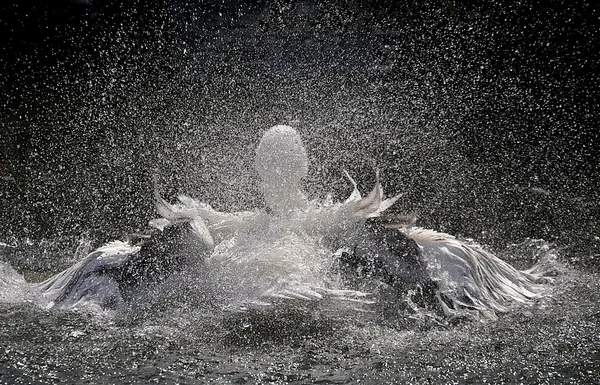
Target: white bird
[(287, 251)]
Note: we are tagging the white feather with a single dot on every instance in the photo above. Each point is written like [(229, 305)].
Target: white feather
[(470, 278)]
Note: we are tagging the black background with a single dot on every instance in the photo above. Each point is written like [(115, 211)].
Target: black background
[(523, 98)]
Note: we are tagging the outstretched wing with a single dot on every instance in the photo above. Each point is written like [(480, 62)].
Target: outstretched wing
[(472, 280), (108, 274), (89, 280)]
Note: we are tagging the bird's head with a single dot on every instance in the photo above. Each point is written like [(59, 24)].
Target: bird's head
[(281, 163)]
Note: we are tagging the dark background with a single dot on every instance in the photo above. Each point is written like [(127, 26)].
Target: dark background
[(485, 113)]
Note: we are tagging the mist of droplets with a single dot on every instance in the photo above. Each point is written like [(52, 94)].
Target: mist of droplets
[(448, 104)]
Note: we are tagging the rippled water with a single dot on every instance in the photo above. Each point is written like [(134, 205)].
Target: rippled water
[(179, 340)]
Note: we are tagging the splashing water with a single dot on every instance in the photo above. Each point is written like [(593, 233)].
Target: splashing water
[(275, 275), (286, 252)]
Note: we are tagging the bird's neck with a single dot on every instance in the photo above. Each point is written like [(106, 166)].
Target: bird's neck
[(284, 199)]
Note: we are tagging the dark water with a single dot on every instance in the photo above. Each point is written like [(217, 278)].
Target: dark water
[(489, 130), (553, 341)]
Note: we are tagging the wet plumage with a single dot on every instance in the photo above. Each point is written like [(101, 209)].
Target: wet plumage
[(286, 251)]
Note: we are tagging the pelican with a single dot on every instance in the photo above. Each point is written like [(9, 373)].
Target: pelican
[(288, 250)]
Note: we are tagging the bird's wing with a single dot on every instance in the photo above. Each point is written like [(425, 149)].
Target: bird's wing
[(471, 278), (80, 280)]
